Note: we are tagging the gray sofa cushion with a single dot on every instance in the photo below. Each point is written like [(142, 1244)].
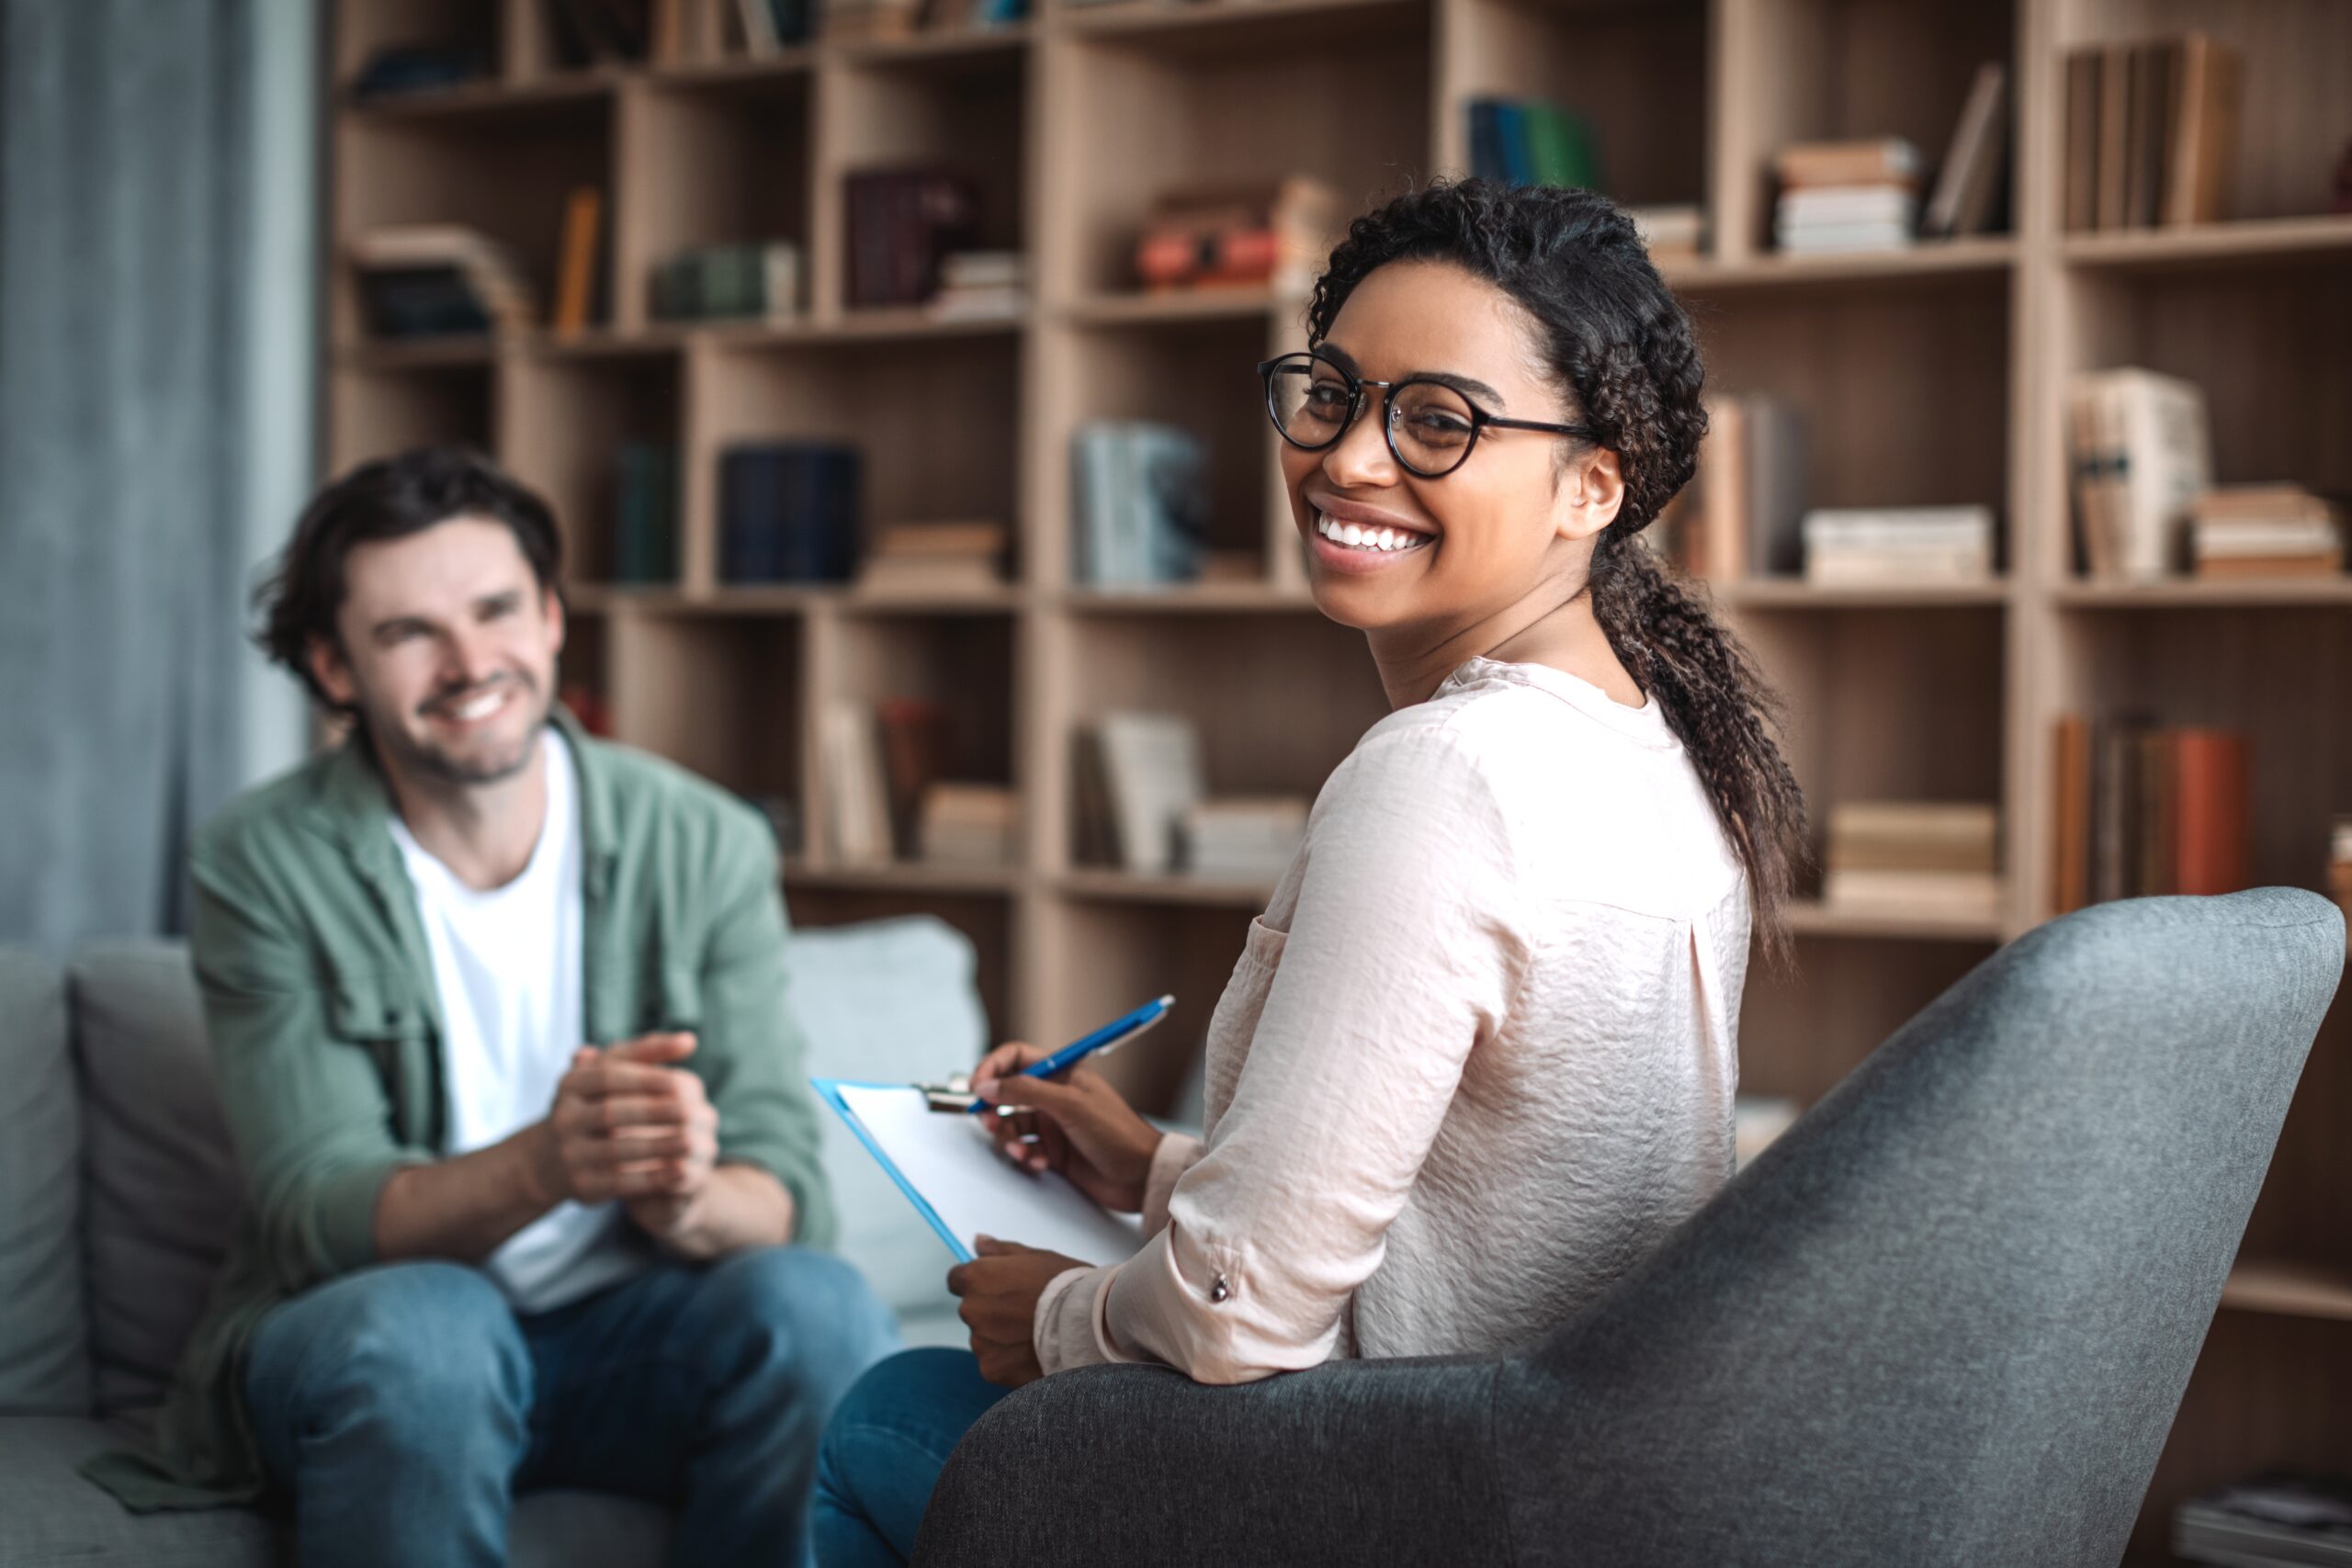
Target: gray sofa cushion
[(50, 1516), (163, 1190), (44, 1348)]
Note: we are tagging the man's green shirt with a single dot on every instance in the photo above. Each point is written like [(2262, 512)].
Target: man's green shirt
[(325, 1027)]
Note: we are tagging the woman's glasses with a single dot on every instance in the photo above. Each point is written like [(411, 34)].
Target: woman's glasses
[(1430, 426)]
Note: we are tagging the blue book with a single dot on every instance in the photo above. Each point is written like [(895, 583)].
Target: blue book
[(1511, 136), (1485, 140)]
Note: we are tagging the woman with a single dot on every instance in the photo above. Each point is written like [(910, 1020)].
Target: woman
[(1478, 1056)]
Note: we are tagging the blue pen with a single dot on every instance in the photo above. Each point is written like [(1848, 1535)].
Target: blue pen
[(1116, 1032)]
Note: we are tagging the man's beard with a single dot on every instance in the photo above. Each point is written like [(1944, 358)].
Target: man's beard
[(430, 762)]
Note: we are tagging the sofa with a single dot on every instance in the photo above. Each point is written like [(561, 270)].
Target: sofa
[(117, 1188)]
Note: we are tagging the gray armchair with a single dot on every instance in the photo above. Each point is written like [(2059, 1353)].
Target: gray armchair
[(1945, 1319)]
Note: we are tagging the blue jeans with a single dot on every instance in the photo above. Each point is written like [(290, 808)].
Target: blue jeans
[(884, 1450), (404, 1405)]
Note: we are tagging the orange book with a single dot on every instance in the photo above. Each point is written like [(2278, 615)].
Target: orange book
[(576, 269), (2071, 874), (2213, 788)]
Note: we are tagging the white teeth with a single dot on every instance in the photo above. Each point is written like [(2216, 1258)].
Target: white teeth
[(1391, 540), (1351, 534), (481, 707), (1359, 536)]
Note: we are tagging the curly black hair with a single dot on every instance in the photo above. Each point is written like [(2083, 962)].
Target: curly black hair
[(388, 499), (1619, 346)]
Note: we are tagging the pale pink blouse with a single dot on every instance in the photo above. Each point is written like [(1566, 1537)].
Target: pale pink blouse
[(1477, 1058)]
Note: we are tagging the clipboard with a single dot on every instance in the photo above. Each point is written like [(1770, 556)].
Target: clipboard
[(962, 1186)]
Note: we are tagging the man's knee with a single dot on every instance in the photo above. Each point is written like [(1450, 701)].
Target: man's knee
[(803, 1313), (422, 1348)]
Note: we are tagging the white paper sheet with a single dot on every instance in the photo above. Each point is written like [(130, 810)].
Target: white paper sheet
[(947, 1166)]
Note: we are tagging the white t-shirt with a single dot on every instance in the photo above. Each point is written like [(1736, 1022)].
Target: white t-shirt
[(507, 965)]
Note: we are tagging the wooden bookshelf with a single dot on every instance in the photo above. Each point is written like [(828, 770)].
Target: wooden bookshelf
[(1929, 376)]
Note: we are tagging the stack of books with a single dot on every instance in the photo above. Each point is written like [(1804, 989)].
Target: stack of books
[(1138, 774), (966, 16), (1913, 858), (599, 32), (2143, 808), (1846, 195), (915, 745), (1756, 1120), (402, 68), (2294, 1521), (969, 824), (1673, 234), (645, 513), (1139, 504), (974, 284), (1242, 838), (1273, 234), (1745, 516), (788, 512), (2151, 130), (2140, 447), (856, 20), (935, 558), (902, 223), (1532, 142), (2265, 531), (2339, 865), (761, 280), (1869, 547), (437, 279)]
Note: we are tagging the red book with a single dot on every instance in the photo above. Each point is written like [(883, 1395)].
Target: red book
[(2213, 791)]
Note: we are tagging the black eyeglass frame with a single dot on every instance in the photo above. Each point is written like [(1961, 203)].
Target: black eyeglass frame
[(1479, 418)]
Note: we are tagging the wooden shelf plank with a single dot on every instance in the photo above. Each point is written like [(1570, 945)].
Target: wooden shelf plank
[(1943, 258), (2292, 1290), (906, 876), (493, 97), (1809, 917), (748, 72), (454, 350), (1797, 595), (1221, 23), (2196, 593), (877, 324), (1128, 887), (2204, 245), (1193, 598), (954, 48)]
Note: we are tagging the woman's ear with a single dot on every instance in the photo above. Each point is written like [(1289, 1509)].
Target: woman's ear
[(1590, 493)]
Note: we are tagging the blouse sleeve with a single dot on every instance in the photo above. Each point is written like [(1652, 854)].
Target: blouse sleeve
[(1405, 947)]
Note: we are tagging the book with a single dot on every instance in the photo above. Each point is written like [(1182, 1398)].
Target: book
[(1151, 777), (759, 279), (1757, 1120), (788, 512), (2149, 809), (1891, 544), (1139, 504), (431, 279), (2081, 174), (398, 69), (935, 558), (2114, 132), (1751, 486), (645, 513), (1913, 857), (1272, 234), (901, 223), (2140, 453), (914, 732), (856, 791), (2071, 817), (576, 267), (1884, 160), (2203, 135), (968, 824), (1971, 176), (1672, 233), (2278, 1517), (1242, 838), (2150, 131)]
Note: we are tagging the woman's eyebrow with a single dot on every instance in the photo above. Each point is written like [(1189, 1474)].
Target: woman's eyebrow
[(1468, 385)]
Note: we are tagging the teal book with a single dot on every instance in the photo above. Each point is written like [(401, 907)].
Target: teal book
[(1560, 147)]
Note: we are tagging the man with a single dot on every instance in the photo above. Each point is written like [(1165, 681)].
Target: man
[(499, 1019)]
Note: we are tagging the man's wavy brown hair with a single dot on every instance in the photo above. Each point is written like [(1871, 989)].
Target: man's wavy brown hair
[(1619, 348)]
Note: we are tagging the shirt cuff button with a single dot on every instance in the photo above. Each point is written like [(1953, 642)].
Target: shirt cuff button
[(1219, 1289)]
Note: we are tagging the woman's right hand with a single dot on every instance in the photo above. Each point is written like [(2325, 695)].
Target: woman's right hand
[(1081, 1124)]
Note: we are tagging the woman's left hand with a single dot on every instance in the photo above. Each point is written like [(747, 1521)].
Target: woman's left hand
[(1000, 1289)]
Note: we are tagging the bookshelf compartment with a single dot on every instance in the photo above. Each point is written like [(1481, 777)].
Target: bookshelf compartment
[(985, 918), (1199, 376), (1213, 106), (2268, 344), (936, 422), (718, 694), (1832, 70), (2295, 108), (2300, 1221), (2276, 675), (1800, 1034), (566, 419), (583, 673), (375, 414), (1633, 73), (361, 27), (1902, 386), (1119, 954), (964, 111), (1318, 687), (747, 141), (1887, 703), (508, 177)]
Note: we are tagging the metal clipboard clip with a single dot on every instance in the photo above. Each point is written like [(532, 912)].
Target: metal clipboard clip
[(954, 1094)]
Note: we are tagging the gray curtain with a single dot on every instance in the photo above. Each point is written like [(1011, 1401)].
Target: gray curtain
[(125, 174)]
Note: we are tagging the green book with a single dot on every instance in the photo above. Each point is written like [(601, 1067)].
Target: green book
[(1560, 147)]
